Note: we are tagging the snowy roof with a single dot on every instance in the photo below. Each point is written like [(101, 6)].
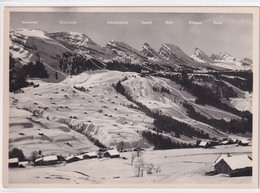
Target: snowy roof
[(244, 141), (24, 163), (113, 152), (80, 156), (238, 162), (225, 142), (50, 158), (13, 160), (70, 157), (203, 143), (220, 158), (91, 154), (39, 159)]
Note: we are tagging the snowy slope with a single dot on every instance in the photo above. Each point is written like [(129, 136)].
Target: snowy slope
[(29, 45), (101, 113)]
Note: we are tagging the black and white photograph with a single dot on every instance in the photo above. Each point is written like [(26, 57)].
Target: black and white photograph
[(139, 97)]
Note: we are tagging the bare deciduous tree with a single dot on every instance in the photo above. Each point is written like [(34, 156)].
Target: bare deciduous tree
[(139, 166)]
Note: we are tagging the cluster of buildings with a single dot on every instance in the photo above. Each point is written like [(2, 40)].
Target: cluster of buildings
[(208, 143), (55, 159), (237, 165)]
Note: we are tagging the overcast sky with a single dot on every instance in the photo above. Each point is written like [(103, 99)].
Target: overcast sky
[(233, 36)]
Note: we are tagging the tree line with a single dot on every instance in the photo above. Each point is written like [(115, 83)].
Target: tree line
[(241, 79), (162, 142), (161, 89), (19, 73), (233, 126)]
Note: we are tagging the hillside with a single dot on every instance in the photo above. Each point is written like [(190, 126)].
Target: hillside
[(66, 89), (90, 105)]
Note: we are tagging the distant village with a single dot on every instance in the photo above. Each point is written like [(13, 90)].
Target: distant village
[(57, 159), (230, 165)]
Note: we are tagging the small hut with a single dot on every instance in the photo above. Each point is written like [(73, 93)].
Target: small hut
[(225, 142), (47, 160), (71, 159), (90, 155), (23, 164), (145, 73), (234, 166), (243, 142), (13, 162), (204, 144), (50, 160), (38, 161), (112, 153), (81, 157)]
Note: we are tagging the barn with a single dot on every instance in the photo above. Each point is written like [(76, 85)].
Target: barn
[(13, 162), (71, 158), (111, 153), (81, 157), (90, 155), (50, 160), (225, 142), (240, 165), (204, 144), (23, 164), (47, 160), (38, 161), (243, 142)]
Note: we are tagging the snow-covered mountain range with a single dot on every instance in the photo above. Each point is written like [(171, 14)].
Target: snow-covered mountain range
[(29, 45), (223, 60)]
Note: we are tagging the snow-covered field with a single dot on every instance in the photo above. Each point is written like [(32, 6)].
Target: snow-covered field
[(243, 103), (178, 166)]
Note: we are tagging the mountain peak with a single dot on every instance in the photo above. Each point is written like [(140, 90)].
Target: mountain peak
[(225, 58), (125, 53), (200, 56), (171, 47), (224, 54), (149, 52), (75, 38), (146, 45), (173, 52), (228, 61)]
